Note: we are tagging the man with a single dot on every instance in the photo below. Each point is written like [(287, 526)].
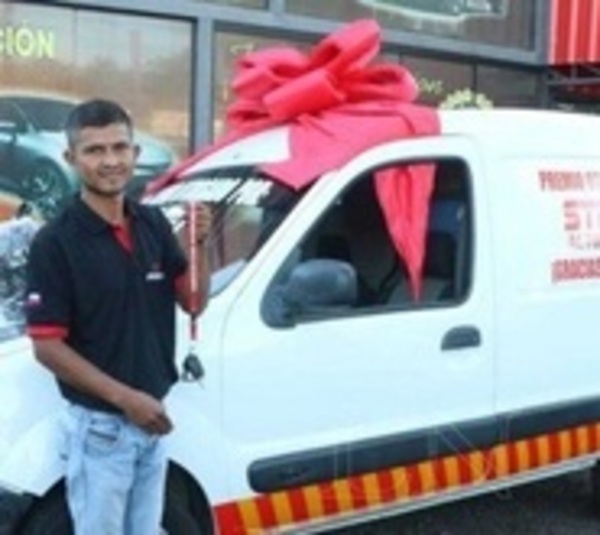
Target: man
[(103, 280)]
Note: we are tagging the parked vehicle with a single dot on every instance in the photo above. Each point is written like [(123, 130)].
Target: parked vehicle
[(331, 393), (32, 143)]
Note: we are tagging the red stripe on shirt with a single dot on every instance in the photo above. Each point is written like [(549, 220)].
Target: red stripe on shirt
[(47, 331)]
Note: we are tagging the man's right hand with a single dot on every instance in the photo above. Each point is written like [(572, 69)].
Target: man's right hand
[(146, 412), (142, 409)]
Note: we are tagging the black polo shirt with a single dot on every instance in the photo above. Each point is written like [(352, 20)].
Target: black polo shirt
[(117, 306)]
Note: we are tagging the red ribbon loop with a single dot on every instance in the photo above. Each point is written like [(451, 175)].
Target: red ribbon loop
[(281, 84), (307, 94), (351, 47), (260, 72)]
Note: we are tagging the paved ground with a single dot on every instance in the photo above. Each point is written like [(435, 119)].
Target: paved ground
[(555, 507)]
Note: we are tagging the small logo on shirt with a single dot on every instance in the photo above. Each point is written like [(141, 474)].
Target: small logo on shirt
[(155, 274)]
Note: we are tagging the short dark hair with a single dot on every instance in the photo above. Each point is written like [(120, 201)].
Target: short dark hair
[(95, 113)]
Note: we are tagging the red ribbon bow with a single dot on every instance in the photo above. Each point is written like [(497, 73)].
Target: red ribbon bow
[(281, 84), (337, 105)]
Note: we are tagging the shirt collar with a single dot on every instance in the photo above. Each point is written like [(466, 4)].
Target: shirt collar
[(93, 222)]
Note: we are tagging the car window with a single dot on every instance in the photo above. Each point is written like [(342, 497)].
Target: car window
[(45, 114), (10, 116), (354, 231), (15, 239)]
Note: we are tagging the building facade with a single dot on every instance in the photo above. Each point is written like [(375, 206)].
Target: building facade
[(574, 54), (170, 61)]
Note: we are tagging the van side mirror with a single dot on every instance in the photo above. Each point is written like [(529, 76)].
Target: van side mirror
[(312, 287)]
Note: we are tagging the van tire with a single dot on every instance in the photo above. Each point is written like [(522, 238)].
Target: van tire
[(179, 517), (50, 515)]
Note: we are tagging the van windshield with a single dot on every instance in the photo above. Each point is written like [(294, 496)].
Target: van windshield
[(247, 207)]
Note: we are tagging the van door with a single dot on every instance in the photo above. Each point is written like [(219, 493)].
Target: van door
[(351, 391)]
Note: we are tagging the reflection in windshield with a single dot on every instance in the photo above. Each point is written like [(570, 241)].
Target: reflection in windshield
[(247, 208)]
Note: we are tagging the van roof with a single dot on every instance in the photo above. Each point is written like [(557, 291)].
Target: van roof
[(540, 131), (513, 121)]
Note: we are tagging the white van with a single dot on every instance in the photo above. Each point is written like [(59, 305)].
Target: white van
[(329, 394)]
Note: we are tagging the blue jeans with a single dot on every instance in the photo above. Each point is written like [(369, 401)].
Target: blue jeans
[(115, 475)]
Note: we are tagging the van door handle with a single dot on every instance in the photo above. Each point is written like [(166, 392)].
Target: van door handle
[(461, 337)]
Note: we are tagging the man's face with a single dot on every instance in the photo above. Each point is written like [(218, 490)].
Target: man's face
[(104, 158)]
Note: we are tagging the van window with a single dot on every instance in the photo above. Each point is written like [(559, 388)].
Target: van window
[(354, 231), (446, 272)]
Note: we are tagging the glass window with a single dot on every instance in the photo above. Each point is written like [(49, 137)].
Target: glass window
[(439, 80), (497, 22), (261, 4), (53, 57), (509, 87), (229, 47)]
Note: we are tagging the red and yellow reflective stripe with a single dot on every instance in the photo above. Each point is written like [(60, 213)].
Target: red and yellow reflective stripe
[(264, 513)]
